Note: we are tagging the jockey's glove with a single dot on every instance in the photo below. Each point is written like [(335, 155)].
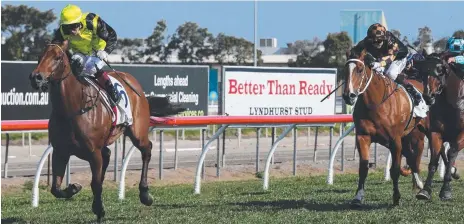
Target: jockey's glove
[(376, 65), (102, 55)]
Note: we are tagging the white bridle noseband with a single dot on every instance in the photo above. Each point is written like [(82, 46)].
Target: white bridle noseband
[(358, 92)]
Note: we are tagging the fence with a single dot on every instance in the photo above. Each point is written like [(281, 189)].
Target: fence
[(225, 121)]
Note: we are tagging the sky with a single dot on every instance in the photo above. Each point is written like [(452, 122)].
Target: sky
[(286, 21)]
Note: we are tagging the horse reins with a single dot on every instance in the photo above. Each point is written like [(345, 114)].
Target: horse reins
[(83, 110), (385, 96)]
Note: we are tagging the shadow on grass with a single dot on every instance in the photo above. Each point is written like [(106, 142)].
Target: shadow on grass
[(256, 193), (13, 220), (309, 205)]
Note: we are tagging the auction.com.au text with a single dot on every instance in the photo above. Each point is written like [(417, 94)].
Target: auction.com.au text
[(24, 98)]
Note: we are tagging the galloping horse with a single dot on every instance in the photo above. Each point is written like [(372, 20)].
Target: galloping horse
[(444, 91), (383, 114), (81, 122)]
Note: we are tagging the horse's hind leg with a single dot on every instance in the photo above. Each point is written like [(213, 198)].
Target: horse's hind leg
[(142, 142), (455, 147), (59, 162), (106, 154), (96, 165), (436, 143)]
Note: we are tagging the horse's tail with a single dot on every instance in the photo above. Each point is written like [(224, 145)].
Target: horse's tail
[(161, 107)]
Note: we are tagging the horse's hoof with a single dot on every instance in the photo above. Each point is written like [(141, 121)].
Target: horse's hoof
[(455, 176), (445, 195), (423, 195), (356, 203), (73, 189), (146, 198), (99, 210), (396, 199)]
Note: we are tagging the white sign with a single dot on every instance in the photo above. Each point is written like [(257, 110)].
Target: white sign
[(265, 91)]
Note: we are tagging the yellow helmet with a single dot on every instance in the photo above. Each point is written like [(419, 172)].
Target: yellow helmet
[(70, 14)]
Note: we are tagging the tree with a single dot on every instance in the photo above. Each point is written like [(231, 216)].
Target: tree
[(192, 42), (334, 55), (223, 48), (308, 47), (130, 49), (440, 45), (155, 41), (26, 31), (230, 49), (458, 34), (396, 33), (424, 39)]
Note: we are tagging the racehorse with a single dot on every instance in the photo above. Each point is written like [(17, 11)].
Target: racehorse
[(81, 122), (382, 114), (444, 91)]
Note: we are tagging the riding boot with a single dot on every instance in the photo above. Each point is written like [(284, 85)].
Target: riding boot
[(112, 92), (403, 81)]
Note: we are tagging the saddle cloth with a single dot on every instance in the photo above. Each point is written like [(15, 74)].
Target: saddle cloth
[(419, 110), (124, 109)]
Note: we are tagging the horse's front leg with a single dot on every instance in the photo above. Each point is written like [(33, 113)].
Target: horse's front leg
[(395, 168), (96, 165), (363, 143), (60, 159)]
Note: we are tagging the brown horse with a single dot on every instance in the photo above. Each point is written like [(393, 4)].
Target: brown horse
[(382, 114), (80, 123), (444, 91)]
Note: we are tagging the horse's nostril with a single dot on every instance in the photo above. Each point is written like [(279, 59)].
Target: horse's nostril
[(38, 77), (352, 95)]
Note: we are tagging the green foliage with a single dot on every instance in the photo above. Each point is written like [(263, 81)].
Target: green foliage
[(26, 31), (333, 56), (459, 33), (192, 43)]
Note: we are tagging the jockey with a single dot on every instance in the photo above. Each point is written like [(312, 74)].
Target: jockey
[(86, 33), (388, 53), (455, 47)]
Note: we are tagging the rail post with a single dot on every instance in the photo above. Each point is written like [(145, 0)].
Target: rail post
[(35, 187), (271, 154), (201, 161)]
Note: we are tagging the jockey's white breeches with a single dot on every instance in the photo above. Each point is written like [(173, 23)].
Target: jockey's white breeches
[(396, 67), (89, 63)]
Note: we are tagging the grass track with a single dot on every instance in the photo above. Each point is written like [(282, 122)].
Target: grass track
[(289, 200)]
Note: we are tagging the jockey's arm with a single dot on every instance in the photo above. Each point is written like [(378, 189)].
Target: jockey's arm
[(396, 51), (458, 59), (108, 34)]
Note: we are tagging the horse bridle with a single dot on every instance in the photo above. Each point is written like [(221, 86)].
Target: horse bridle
[(362, 77), (94, 102), (63, 53), (385, 96), (440, 75)]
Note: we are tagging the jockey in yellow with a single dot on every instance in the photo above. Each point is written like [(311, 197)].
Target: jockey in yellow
[(87, 33)]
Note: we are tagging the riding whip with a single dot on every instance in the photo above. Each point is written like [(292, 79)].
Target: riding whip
[(333, 91), (108, 64)]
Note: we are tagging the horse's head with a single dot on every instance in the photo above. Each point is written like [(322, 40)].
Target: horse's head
[(357, 75), (52, 64), (432, 73)]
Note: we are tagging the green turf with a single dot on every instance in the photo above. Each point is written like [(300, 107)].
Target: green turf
[(289, 200)]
